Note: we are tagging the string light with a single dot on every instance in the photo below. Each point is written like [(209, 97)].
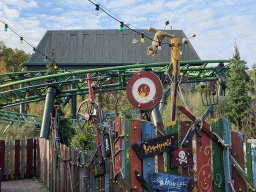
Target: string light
[(142, 38), (21, 40), (46, 59), (97, 9), (34, 50), (159, 46), (121, 26), (6, 27)]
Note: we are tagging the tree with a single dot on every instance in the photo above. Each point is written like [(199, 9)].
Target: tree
[(238, 91), (13, 58)]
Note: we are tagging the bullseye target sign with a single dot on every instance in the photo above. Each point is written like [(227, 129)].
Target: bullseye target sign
[(144, 90)]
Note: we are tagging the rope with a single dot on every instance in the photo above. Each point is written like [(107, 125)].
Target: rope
[(190, 128)]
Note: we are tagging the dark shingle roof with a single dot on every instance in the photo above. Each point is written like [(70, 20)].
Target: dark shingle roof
[(106, 47)]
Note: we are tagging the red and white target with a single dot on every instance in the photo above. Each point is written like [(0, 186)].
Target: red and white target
[(144, 90)]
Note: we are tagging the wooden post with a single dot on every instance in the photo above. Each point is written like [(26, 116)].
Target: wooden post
[(2, 159), (238, 154), (175, 60), (249, 162), (128, 152), (17, 159), (29, 169)]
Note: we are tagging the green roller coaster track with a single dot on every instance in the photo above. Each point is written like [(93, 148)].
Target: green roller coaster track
[(35, 84)]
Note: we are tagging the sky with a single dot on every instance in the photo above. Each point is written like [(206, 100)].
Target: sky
[(218, 25)]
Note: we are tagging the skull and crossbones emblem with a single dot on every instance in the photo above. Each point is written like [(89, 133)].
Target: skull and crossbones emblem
[(182, 157)]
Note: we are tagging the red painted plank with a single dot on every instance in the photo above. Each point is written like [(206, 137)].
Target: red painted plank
[(136, 163), (160, 127), (29, 168), (238, 154), (2, 159), (187, 171), (118, 146), (34, 155), (17, 159), (38, 158), (203, 159)]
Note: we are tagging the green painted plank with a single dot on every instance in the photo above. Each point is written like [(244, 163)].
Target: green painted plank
[(218, 175), (171, 127), (127, 151), (249, 162)]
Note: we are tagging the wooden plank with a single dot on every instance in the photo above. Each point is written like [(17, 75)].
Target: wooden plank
[(238, 154), (45, 160), (249, 162), (2, 159), (217, 158), (7, 160), (187, 171), (29, 168), (128, 152), (34, 156), (160, 157), (107, 153), (166, 182), (118, 146), (254, 164), (152, 147), (123, 146), (148, 164), (98, 162), (121, 185), (203, 159), (135, 161), (11, 168), (17, 159), (38, 158), (171, 128), (227, 155)]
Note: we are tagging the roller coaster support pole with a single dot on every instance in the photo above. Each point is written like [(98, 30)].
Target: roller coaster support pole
[(176, 71), (73, 103), (48, 108)]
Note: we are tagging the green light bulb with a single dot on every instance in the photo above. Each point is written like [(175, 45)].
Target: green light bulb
[(121, 29)]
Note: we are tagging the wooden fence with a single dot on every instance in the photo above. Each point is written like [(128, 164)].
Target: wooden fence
[(135, 155)]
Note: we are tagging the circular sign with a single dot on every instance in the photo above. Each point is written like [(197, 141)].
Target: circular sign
[(144, 90)]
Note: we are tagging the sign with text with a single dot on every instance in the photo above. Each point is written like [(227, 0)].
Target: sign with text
[(166, 182), (121, 185), (181, 157), (156, 146)]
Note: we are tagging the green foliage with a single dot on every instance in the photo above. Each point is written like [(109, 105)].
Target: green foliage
[(238, 92), (85, 140), (17, 130), (66, 132), (13, 58)]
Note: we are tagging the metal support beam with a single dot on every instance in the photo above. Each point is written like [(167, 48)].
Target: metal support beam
[(73, 103), (22, 105), (156, 115), (48, 108)]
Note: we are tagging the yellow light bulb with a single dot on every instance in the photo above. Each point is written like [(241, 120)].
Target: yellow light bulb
[(142, 40)]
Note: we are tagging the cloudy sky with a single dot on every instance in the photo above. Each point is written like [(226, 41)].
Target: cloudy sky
[(217, 24)]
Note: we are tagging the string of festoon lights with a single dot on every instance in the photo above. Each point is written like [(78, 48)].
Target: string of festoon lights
[(6, 27), (97, 8)]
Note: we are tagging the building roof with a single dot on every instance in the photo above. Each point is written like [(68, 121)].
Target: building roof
[(105, 47)]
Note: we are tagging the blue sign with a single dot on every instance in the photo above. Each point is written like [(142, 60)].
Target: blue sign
[(166, 182)]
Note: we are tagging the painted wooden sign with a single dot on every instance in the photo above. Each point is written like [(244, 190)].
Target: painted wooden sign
[(99, 169), (121, 185), (156, 146), (181, 157), (166, 182)]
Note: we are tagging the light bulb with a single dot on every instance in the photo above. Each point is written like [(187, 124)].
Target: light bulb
[(97, 9), (193, 35), (55, 67), (159, 46), (6, 27), (34, 50), (45, 59), (21, 40), (142, 38), (121, 26)]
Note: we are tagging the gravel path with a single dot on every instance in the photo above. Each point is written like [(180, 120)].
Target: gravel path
[(27, 185)]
